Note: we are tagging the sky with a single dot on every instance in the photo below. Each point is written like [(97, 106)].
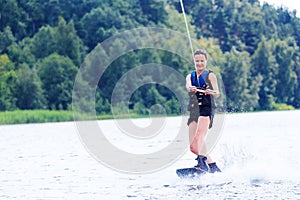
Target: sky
[(291, 4)]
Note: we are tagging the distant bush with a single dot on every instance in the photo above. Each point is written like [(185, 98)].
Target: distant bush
[(283, 106)]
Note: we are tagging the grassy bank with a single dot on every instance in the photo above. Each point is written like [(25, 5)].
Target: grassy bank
[(42, 116), (34, 116)]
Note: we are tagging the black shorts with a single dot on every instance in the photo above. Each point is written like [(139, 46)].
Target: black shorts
[(201, 111)]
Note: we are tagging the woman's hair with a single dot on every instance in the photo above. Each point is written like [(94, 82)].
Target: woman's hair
[(201, 51)]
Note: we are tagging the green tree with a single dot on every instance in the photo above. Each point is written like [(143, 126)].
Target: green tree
[(67, 43), (247, 25), (221, 25), (43, 42), (154, 10), (202, 13), (285, 26), (61, 39), (172, 106), (53, 10), (102, 105), (35, 15), (176, 21), (264, 64), (7, 83), (57, 74), (14, 17), (98, 25), (140, 108), (295, 22), (241, 95), (20, 53), (296, 100), (270, 19), (29, 91), (153, 97), (286, 78), (6, 39), (32, 30)]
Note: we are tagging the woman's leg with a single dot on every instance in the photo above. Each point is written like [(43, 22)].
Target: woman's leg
[(209, 159), (197, 142), (192, 134)]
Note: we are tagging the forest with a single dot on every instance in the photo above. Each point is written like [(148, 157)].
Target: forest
[(43, 44)]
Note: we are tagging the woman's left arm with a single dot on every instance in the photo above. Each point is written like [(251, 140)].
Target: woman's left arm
[(214, 83)]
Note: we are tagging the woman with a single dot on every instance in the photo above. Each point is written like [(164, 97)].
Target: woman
[(202, 86)]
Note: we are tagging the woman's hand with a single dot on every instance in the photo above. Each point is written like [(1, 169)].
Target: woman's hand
[(192, 89)]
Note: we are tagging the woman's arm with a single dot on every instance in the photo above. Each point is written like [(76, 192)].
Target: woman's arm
[(214, 83), (188, 84)]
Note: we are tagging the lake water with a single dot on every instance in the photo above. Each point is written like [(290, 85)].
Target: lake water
[(259, 154)]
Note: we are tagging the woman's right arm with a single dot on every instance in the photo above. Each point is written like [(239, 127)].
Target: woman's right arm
[(188, 84)]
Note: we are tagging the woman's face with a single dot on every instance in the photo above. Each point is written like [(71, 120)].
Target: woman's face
[(200, 62)]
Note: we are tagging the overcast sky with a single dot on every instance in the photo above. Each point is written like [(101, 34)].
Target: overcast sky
[(291, 4)]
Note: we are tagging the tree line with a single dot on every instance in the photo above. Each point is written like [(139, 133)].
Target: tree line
[(254, 47)]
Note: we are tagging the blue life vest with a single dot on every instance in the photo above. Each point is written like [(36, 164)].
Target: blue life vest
[(201, 81)]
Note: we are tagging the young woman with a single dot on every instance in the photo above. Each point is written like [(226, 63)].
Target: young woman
[(202, 86)]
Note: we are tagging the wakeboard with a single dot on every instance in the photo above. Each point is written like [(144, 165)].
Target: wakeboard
[(190, 172)]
